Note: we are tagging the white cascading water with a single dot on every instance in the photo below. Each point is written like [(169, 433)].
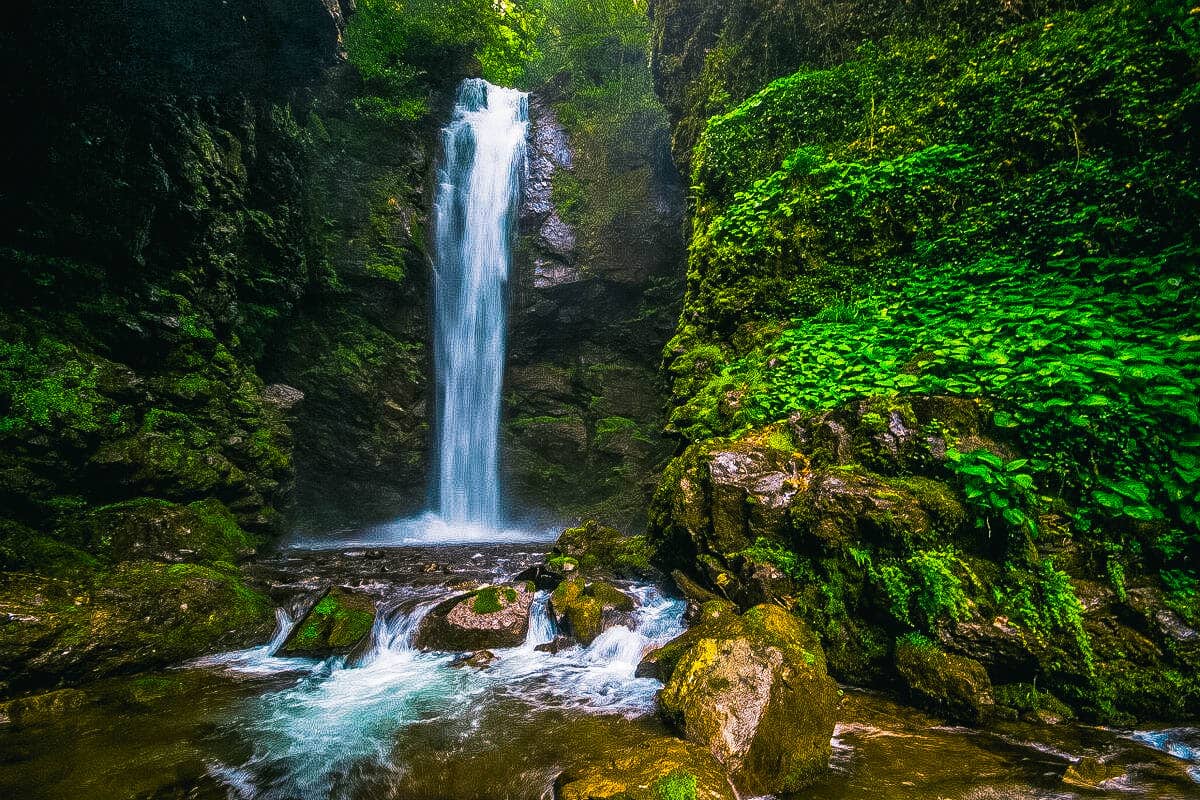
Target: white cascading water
[(483, 157)]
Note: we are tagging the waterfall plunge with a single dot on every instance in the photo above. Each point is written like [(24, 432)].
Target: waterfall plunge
[(483, 157)]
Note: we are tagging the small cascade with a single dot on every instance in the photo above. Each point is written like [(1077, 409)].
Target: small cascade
[(541, 626), (483, 160)]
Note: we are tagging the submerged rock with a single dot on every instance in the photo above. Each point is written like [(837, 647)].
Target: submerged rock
[(41, 708), (954, 685), (1090, 773), (336, 624), (491, 617), (478, 659), (753, 689), (658, 769), (585, 609)]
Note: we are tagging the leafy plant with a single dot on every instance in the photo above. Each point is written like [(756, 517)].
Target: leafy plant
[(995, 488)]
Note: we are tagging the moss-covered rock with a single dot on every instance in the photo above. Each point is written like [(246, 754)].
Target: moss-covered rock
[(754, 690), (1030, 703), (485, 619), (586, 608), (337, 623), (600, 550), (135, 616), (159, 530), (661, 768), (946, 683)]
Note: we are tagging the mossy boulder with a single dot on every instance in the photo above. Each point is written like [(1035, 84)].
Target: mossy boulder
[(336, 624), (153, 529), (754, 690), (1031, 703), (946, 683), (135, 616), (485, 619), (661, 768), (586, 608), (600, 550)]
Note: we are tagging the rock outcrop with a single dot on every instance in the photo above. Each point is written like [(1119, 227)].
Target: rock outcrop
[(71, 629), (485, 619), (851, 519), (595, 297), (754, 690), (954, 685)]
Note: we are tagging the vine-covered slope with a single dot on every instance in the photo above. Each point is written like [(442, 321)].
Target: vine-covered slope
[(1006, 218)]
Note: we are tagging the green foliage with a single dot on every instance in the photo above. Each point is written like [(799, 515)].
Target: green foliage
[(966, 219), (1048, 605), (995, 488), (927, 581), (776, 554), (404, 50)]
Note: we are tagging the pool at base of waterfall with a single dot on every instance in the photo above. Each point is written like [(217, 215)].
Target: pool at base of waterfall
[(396, 722)]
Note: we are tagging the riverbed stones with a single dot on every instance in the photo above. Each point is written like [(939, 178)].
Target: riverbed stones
[(485, 619), (954, 685), (754, 691), (335, 624), (586, 608)]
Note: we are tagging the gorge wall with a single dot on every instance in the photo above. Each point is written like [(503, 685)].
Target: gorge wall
[(919, 395), (213, 315)]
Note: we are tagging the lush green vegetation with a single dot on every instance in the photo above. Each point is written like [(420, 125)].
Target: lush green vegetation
[(406, 50), (1012, 221)]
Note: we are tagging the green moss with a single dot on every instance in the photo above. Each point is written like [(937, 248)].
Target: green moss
[(677, 785), (49, 385), (338, 621), (493, 599)]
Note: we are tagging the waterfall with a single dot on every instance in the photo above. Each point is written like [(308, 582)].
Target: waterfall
[(483, 157)]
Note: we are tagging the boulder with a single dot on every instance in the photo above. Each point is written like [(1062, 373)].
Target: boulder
[(600, 550), (753, 690), (135, 616), (946, 683), (661, 768), (585, 609), (485, 619), (335, 624), (478, 659)]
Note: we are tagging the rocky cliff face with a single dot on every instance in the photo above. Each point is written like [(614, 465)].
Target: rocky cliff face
[(213, 292), (594, 300)]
